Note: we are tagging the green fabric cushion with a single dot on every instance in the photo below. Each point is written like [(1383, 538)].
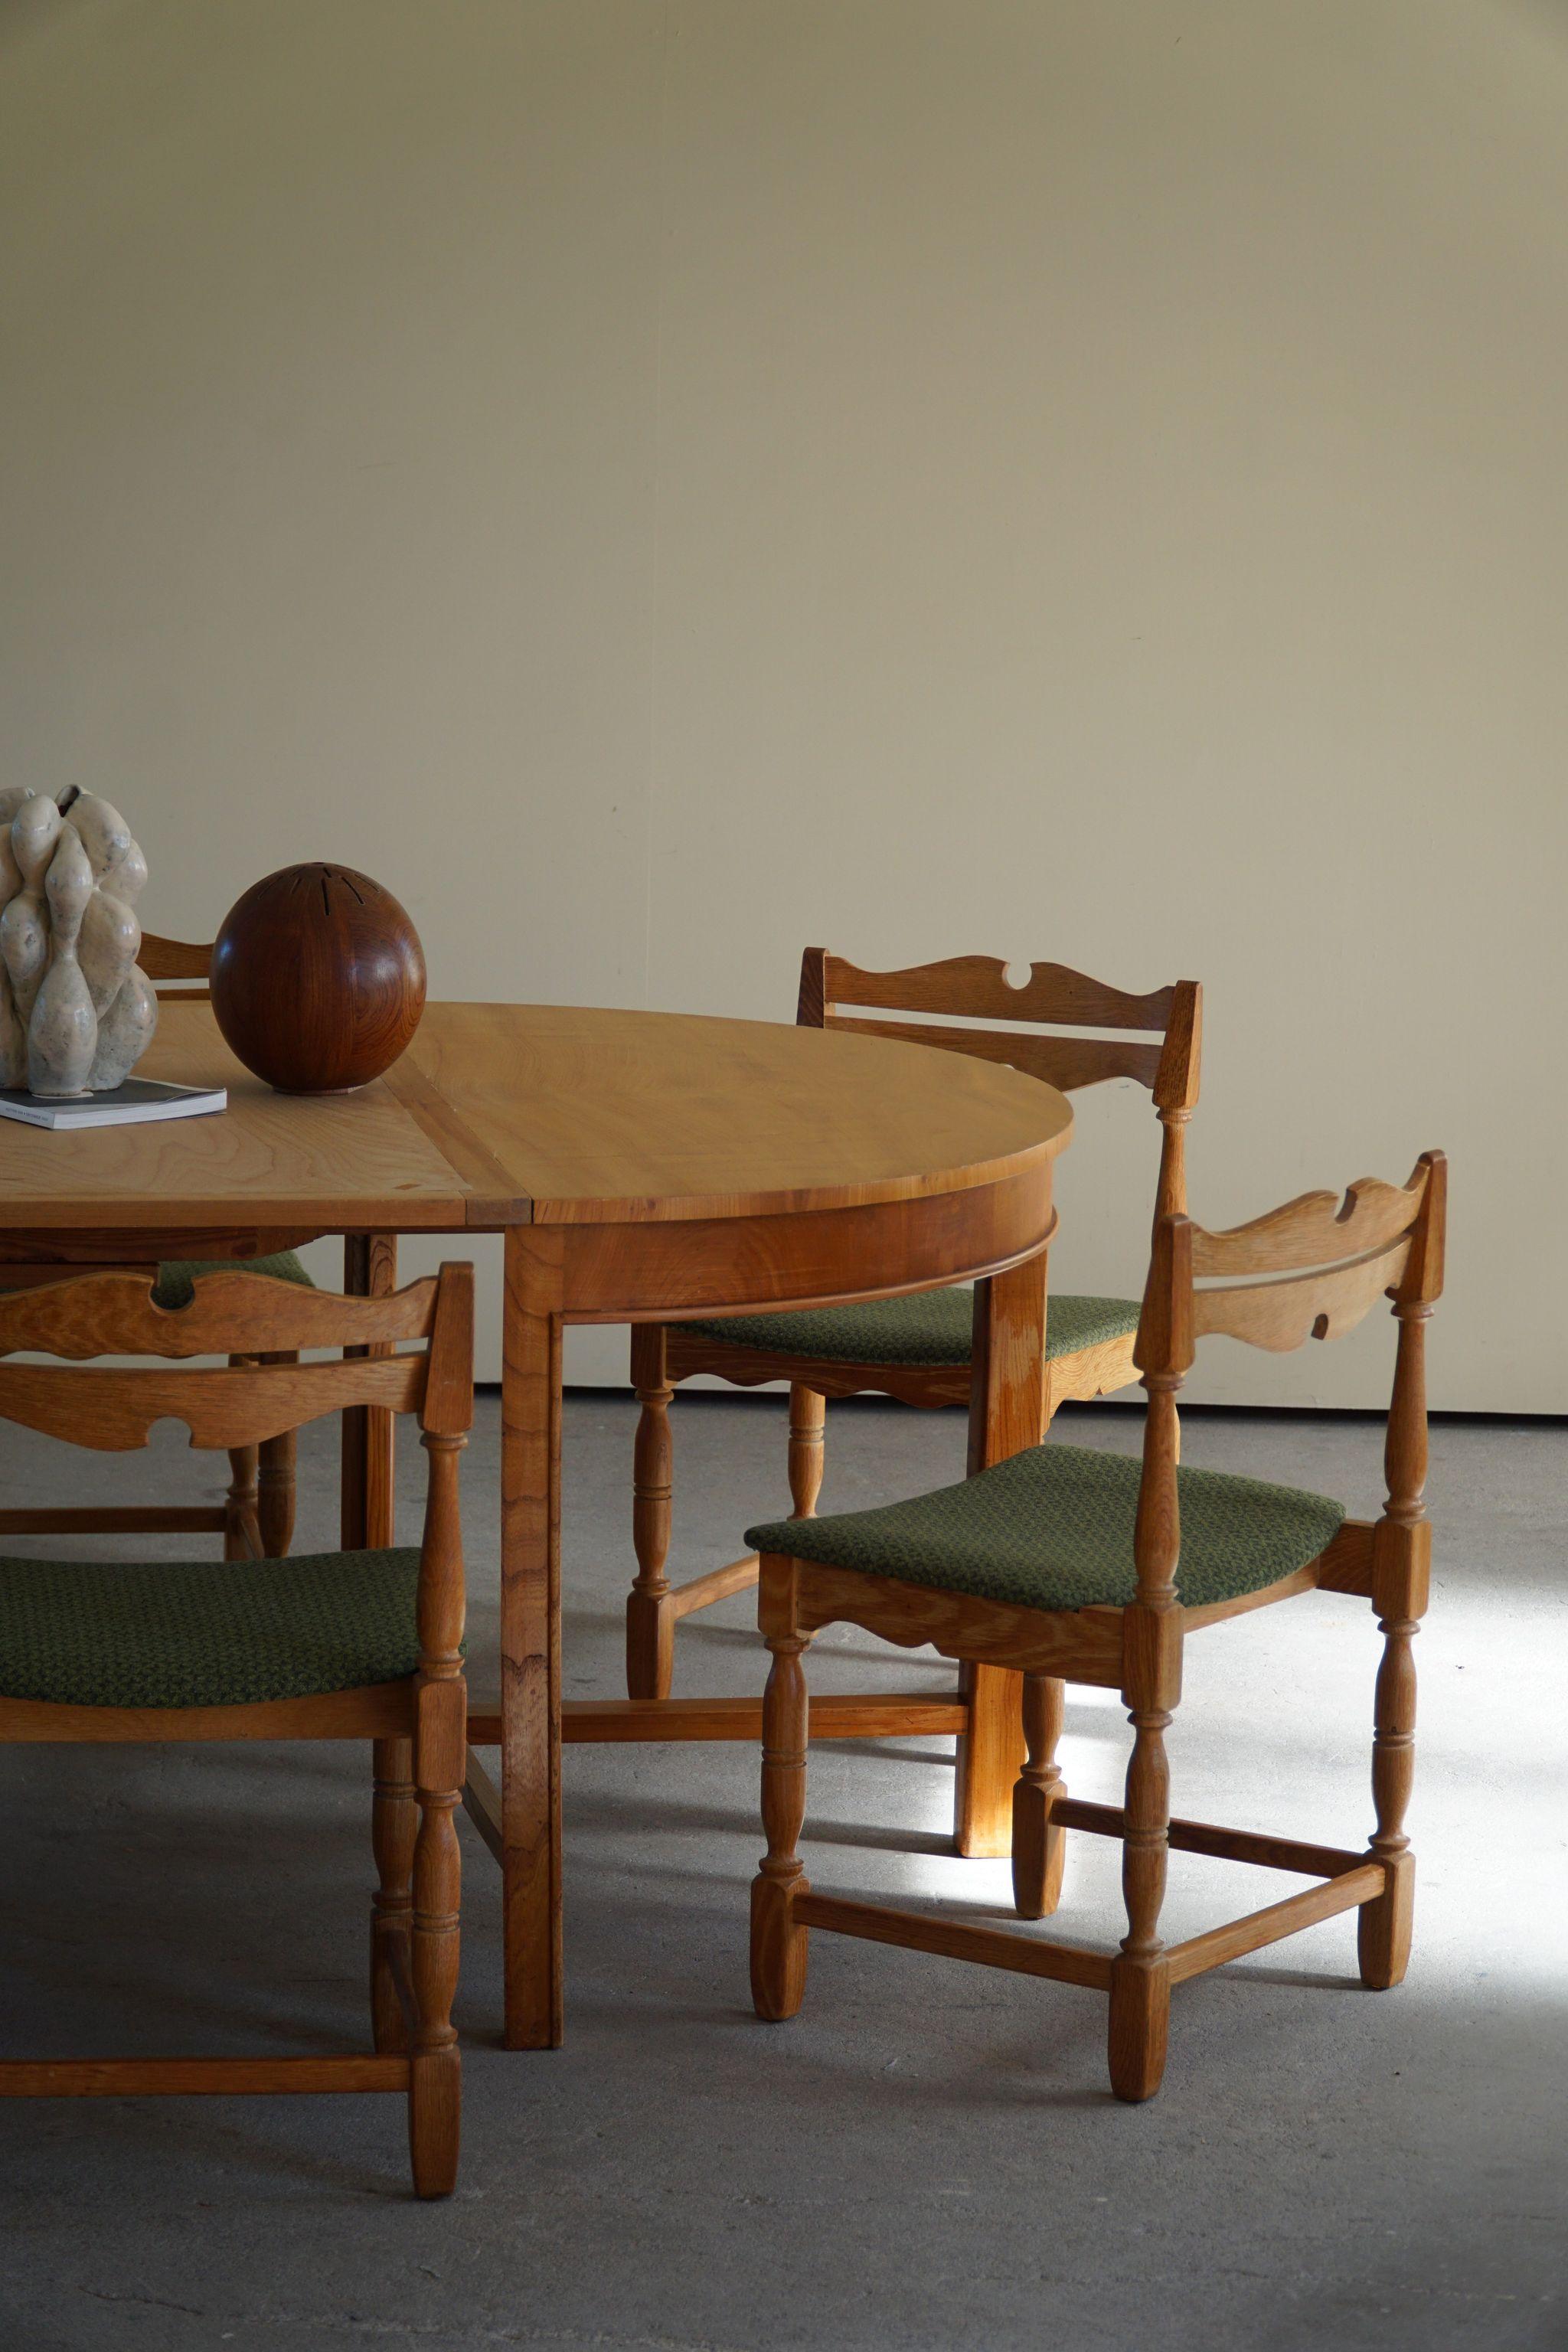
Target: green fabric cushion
[(934, 1326), (1052, 1529), (205, 1634), (177, 1275)]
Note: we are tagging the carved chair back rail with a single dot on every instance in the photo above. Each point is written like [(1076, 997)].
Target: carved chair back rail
[(179, 961)]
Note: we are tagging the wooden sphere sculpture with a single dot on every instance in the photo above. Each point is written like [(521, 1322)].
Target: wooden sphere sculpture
[(318, 978)]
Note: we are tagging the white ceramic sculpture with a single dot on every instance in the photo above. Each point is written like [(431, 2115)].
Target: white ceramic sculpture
[(76, 1012)]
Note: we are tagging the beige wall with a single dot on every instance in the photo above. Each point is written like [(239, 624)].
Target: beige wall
[(1080, 481)]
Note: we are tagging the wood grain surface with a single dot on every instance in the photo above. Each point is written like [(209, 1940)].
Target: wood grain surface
[(503, 1115), (627, 1117)]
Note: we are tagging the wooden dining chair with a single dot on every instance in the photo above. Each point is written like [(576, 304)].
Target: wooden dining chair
[(1070, 1564), (256, 1518), (917, 1348), (337, 1645)]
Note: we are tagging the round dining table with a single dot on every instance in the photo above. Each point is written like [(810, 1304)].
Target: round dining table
[(641, 1167)]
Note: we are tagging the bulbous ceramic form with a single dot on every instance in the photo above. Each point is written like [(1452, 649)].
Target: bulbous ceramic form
[(76, 1013), (318, 978)]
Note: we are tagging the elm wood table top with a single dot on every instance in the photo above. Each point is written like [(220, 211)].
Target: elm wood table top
[(503, 1115), (641, 1165)]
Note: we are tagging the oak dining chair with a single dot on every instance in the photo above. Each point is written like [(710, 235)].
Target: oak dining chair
[(337, 1645), (1068, 1563), (916, 1349), (256, 1518)]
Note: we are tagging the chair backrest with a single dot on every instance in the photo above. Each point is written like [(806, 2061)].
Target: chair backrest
[(1311, 1270), (1160, 1047), (232, 1313), (176, 960)]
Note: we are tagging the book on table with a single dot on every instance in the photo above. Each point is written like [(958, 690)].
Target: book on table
[(124, 1105)]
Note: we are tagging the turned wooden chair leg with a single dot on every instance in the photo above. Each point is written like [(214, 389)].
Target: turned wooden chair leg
[(276, 1487), (435, 2082), (394, 1823), (1139, 1974), (242, 1531), (241, 1534), (807, 1426), (276, 1469), (1383, 1927), (1039, 1844), (1401, 1582), (779, 1947), (651, 1617)]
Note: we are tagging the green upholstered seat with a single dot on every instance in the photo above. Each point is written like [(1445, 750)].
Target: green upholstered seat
[(205, 1634), (934, 1326), (177, 1275), (1052, 1529)]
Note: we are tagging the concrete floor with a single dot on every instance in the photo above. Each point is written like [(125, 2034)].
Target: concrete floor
[(929, 2157)]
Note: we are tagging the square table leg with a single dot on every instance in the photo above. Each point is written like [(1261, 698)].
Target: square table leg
[(530, 1636), (1006, 1410)]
